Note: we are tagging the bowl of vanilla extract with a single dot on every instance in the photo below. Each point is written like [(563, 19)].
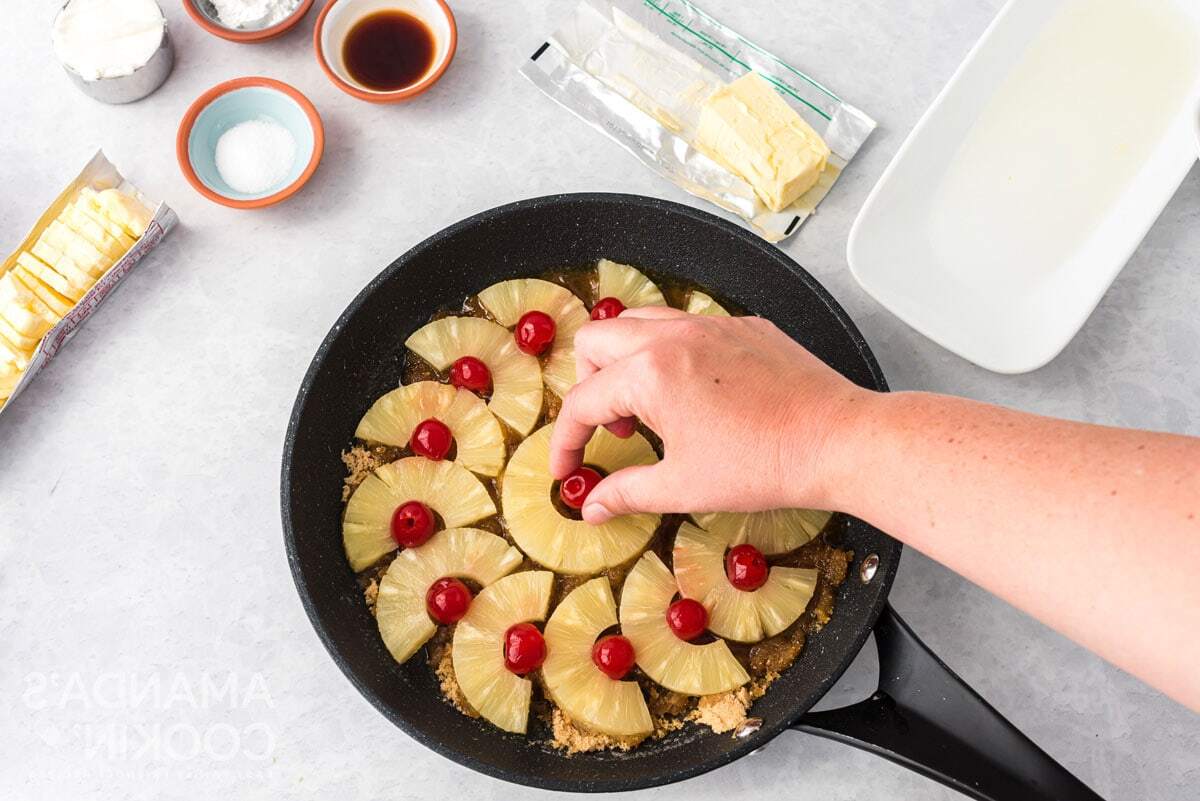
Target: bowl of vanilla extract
[(385, 51)]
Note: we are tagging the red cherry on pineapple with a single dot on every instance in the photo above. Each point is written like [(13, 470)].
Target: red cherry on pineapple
[(524, 648), (470, 373), (412, 524), (746, 567), (447, 600), (534, 332), (431, 439), (614, 656), (578, 484), (607, 309), (687, 618)]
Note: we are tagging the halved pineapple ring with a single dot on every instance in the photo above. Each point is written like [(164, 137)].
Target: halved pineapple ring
[(497, 694), (581, 689), (560, 543), (626, 284), (677, 665), (773, 532), (449, 489), (477, 435), (743, 616), (700, 303), (467, 553), (516, 376), (508, 300)]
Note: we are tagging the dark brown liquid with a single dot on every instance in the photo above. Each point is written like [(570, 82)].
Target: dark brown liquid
[(388, 50)]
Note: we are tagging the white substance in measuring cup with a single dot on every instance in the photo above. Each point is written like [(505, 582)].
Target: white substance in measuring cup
[(107, 38)]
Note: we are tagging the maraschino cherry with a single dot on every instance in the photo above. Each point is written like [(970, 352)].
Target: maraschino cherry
[(447, 600), (534, 332), (687, 618), (431, 439), (412, 524), (524, 648), (578, 484), (607, 309), (472, 374), (746, 567), (614, 656)]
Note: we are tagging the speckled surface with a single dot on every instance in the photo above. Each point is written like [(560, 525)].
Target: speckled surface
[(151, 642)]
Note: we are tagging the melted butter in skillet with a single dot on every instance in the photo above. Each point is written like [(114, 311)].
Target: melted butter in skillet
[(764, 661)]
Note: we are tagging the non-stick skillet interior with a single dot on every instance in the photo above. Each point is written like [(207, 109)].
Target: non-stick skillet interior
[(361, 359)]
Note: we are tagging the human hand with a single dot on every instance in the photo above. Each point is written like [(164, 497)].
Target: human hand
[(745, 414)]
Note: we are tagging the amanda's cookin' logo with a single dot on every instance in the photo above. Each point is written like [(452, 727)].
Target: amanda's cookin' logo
[(153, 717)]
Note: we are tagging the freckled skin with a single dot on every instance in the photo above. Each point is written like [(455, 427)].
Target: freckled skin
[(1082, 526)]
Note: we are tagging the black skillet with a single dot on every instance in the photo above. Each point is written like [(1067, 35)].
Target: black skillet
[(922, 716)]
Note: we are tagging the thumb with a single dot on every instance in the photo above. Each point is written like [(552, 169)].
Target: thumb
[(634, 489)]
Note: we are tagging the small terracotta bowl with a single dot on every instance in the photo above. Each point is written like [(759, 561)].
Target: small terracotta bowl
[(205, 16), (233, 102), (340, 16)]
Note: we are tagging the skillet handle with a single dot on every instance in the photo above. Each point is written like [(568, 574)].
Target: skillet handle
[(927, 719)]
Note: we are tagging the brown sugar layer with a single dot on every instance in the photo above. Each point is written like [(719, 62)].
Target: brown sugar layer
[(568, 736), (723, 712), (441, 658)]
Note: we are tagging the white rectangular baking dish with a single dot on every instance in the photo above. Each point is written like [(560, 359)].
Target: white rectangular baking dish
[(1001, 260)]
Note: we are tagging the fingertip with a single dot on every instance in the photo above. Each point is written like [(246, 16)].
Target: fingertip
[(596, 514), (652, 313), (563, 462), (623, 428)]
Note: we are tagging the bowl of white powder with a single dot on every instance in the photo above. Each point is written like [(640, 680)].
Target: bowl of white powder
[(250, 142), (247, 20)]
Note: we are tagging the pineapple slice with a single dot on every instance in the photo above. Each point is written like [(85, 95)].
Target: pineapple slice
[(508, 300), (627, 285), (581, 689), (450, 490), (516, 376), (493, 691), (477, 435), (560, 543), (700, 303), (467, 553), (774, 531), (677, 665), (699, 558)]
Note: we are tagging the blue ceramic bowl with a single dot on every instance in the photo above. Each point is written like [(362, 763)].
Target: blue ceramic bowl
[(234, 102)]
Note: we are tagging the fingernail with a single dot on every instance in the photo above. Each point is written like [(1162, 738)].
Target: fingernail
[(596, 513)]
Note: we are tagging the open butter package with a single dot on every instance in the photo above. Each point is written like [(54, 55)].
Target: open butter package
[(79, 250), (712, 112)]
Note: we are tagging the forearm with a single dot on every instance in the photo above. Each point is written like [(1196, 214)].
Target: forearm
[(1093, 530)]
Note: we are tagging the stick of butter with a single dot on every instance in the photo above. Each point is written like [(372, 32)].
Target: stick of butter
[(748, 128)]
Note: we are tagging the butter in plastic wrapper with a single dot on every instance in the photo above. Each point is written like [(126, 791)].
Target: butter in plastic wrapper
[(99, 175), (640, 71)]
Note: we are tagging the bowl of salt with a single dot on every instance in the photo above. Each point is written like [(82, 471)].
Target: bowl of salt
[(250, 143)]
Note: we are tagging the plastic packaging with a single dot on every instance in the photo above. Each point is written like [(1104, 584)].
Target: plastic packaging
[(639, 70)]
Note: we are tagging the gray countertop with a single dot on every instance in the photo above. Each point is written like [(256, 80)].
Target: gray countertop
[(151, 642)]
